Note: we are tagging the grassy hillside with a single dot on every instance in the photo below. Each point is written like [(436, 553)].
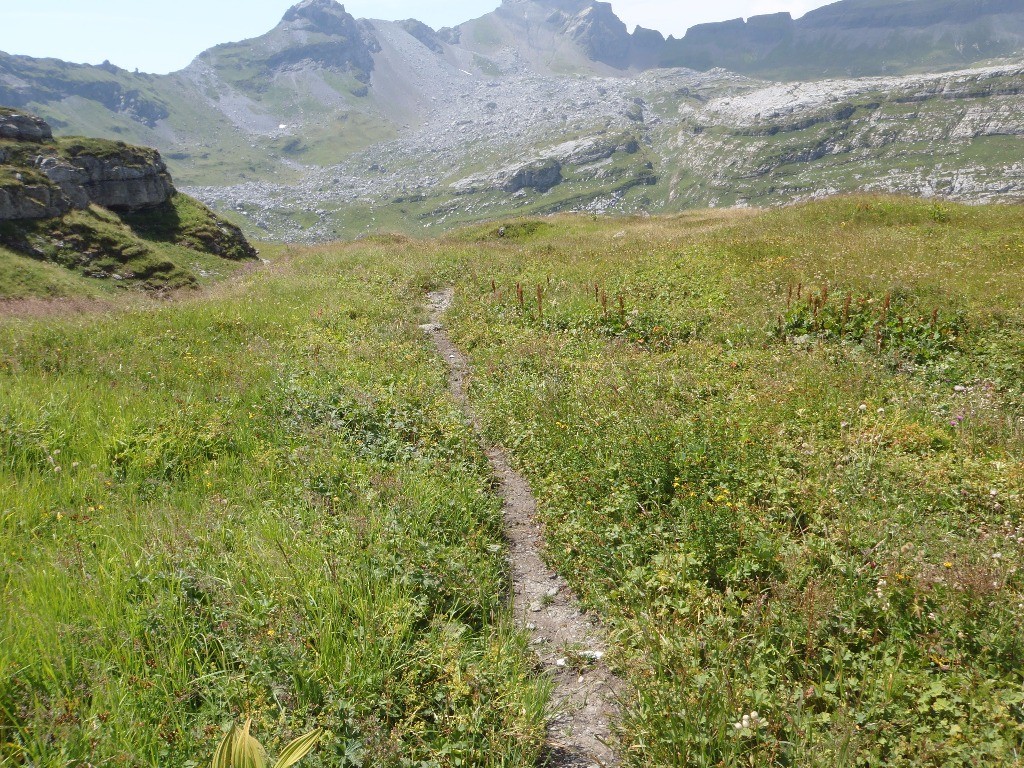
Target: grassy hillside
[(263, 501), (95, 252)]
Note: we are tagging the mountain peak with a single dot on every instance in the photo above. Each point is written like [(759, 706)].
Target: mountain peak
[(326, 16), (311, 34)]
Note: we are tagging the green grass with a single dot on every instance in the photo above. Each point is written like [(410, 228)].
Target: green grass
[(186, 222), (22, 277), (75, 146), (226, 507), (96, 244), (774, 514), (262, 502), (179, 245)]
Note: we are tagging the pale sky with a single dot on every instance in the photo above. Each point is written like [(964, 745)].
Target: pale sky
[(165, 36)]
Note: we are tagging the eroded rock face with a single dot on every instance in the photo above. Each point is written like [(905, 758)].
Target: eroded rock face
[(32, 201), (601, 34), (17, 127), (126, 182), (75, 174), (541, 176)]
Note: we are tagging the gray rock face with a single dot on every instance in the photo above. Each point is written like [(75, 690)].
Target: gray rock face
[(322, 33), (601, 34), (541, 176), (32, 201), (424, 34), (855, 38), (115, 176), (324, 16), (24, 128), (66, 176), (120, 183)]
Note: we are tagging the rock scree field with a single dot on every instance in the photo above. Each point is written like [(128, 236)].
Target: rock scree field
[(779, 454)]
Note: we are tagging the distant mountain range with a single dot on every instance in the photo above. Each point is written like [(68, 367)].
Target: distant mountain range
[(856, 38), (329, 125)]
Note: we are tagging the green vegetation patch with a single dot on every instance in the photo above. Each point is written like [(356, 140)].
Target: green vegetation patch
[(185, 221), (23, 277), (13, 176), (226, 508), (72, 147), (806, 531), (95, 243)]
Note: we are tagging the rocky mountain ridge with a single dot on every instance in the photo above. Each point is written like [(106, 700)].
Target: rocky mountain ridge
[(856, 38), (330, 126)]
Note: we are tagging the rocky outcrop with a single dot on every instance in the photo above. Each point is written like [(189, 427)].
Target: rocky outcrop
[(601, 35), (41, 178), (321, 33), (128, 211), (541, 175), (19, 127), (424, 34), (593, 149), (32, 201), (127, 180)]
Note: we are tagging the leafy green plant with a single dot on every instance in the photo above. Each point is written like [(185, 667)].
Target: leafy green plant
[(240, 750), (894, 322)]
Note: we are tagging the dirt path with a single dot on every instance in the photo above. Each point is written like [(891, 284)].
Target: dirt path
[(568, 642)]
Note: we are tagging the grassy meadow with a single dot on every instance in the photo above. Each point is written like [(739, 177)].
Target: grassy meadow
[(781, 453), (259, 502)]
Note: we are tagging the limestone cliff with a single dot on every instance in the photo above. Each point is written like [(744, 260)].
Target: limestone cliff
[(43, 178)]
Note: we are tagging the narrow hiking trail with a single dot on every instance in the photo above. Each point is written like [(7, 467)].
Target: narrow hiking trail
[(568, 642)]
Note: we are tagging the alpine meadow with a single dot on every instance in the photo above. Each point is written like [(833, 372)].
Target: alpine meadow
[(531, 393)]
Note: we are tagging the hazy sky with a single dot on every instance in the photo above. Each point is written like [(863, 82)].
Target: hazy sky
[(165, 36)]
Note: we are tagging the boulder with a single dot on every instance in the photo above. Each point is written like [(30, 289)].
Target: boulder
[(540, 175), (18, 127)]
